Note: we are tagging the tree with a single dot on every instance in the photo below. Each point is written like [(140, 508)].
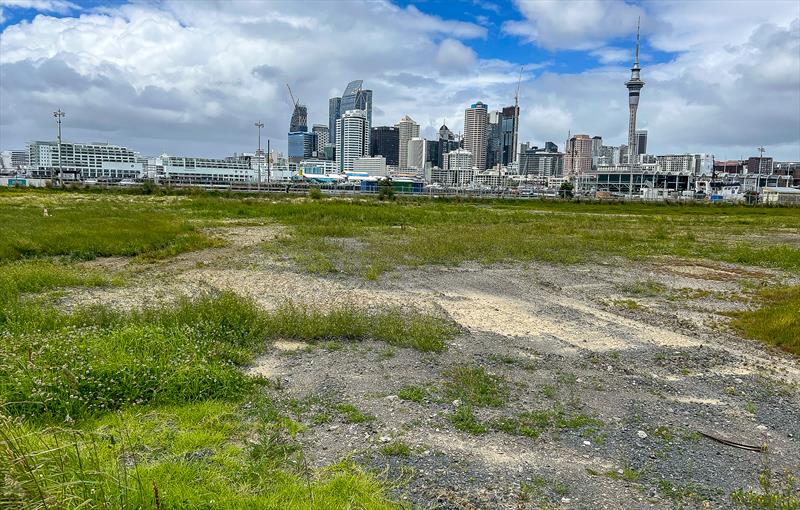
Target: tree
[(385, 189), (566, 190)]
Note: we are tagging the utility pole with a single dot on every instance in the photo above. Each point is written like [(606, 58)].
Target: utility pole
[(761, 151), (269, 162), (58, 114), (259, 125)]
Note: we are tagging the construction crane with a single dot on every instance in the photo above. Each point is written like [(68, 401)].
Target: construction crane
[(299, 120)]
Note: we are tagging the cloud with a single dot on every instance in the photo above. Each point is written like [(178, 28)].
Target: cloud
[(57, 6), (611, 55), (454, 56), (576, 24)]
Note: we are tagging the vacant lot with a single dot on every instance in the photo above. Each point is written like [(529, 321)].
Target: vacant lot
[(242, 352)]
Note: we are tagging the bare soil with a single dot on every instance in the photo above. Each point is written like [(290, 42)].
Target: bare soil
[(564, 337)]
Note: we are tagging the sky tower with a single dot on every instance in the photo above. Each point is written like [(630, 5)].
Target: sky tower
[(634, 85)]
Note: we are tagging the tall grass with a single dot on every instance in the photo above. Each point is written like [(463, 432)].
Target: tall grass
[(776, 321)]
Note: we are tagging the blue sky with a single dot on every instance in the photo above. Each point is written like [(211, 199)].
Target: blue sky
[(187, 77)]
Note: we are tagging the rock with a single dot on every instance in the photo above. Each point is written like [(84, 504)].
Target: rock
[(587, 443), (456, 402), (642, 434), (762, 427), (384, 439)]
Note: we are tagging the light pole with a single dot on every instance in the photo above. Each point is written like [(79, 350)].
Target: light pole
[(58, 114), (259, 125), (761, 151)]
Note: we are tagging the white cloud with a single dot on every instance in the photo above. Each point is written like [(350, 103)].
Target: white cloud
[(58, 6), (611, 55), (575, 24)]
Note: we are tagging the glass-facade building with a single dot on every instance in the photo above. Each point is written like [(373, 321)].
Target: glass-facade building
[(334, 110), (385, 141), (301, 144)]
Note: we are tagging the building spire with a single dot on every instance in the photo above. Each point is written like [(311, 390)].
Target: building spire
[(638, 22)]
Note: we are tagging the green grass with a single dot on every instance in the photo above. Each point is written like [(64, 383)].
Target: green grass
[(351, 414), (533, 423), (416, 394), (85, 227), (464, 420), (776, 321), (474, 386), (396, 448)]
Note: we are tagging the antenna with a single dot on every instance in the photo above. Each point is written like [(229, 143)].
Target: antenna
[(638, 23)]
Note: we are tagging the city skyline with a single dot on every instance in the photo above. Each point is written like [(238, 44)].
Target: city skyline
[(683, 112)]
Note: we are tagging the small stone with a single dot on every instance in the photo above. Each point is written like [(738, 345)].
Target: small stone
[(587, 443), (642, 434), (456, 402), (565, 500), (385, 439), (333, 427), (762, 427)]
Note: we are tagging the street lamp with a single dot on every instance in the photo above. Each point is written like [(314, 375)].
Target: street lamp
[(58, 114), (259, 125)]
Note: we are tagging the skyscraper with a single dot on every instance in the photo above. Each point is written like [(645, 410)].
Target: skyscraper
[(407, 129), (385, 141), (634, 86), (494, 140), (578, 155), (508, 133), (321, 132), (356, 97), (475, 123), (447, 143), (334, 110), (299, 122), (352, 140), (416, 153)]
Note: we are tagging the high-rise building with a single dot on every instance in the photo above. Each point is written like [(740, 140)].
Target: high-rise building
[(641, 141), (494, 140), (321, 132), (475, 124), (374, 166), (416, 153), (385, 141), (407, 130), (352, 139), (458, 159), (508, 130), (597, 144), (299, 122), (356, 97), (432, 152), (83, 161), (334, 110), (578, 155), (301, 145), (634, 86)]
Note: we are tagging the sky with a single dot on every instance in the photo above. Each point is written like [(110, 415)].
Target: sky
[(191, 77)]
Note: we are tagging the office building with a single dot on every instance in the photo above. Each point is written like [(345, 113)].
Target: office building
[(578, 155), (83, 161), (205, 170), (407, 129), (597, 145), (415, 157), (321, 139), (634, 86), (356, 97), (432, 152), (475, 124), (458, 159), (299, 121), (352, 139), (334, 109), (641, 142), (374, 166), (508, 133), (494, 140), (447, 143), (759, 165), (301, 145), (541, 163), (385, 141)]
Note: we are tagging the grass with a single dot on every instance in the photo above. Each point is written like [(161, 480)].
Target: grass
[(776, 321), (779, 491), (396, 448), (416, 394), (533, 423), (475, 387), (464, 420), (628, 304), (422, 332), (85, 227), (352, 414)]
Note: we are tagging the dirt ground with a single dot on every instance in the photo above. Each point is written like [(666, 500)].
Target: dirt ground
[(656, 365)]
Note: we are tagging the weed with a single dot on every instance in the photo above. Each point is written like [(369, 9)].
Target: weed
[(533, 423), (351, 414), (548, 390), (776, 322), (474, 386), (396, 448), (464, 419), (413, 393), (778, 492), (628, 304)]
